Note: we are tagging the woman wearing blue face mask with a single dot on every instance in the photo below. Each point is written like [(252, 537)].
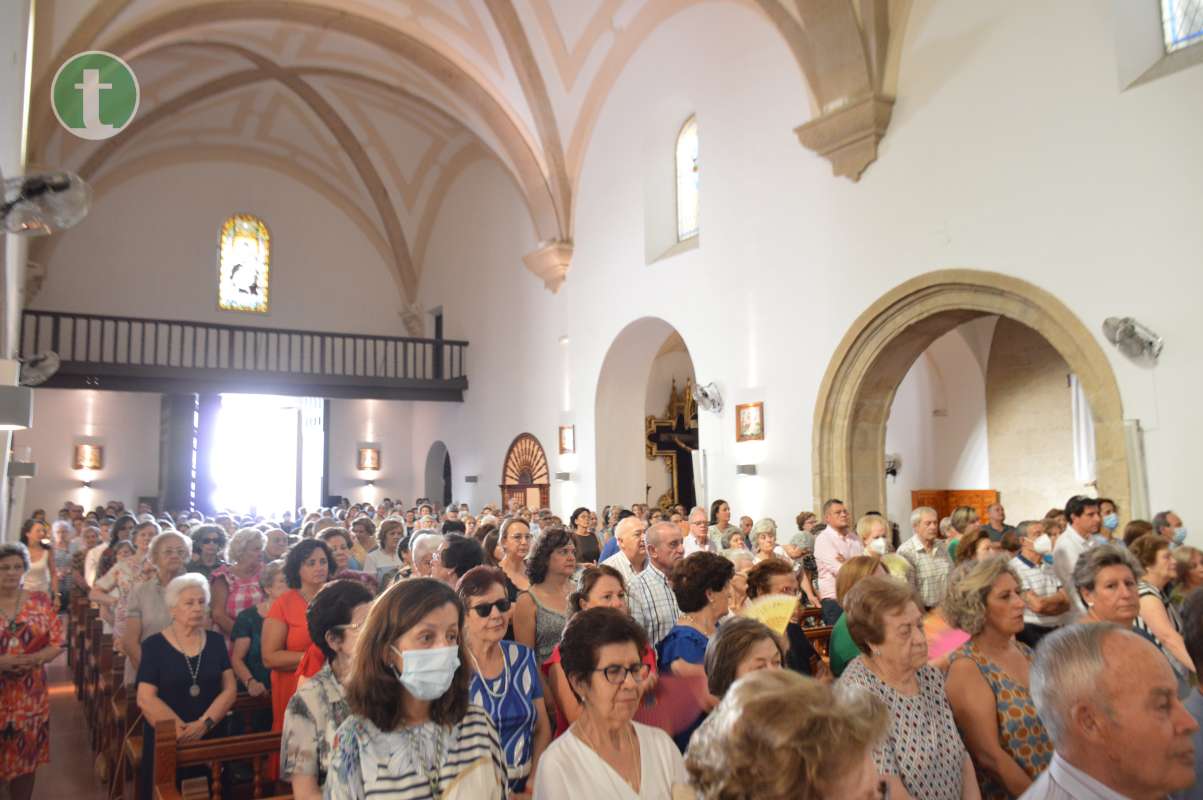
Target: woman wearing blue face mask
[(412, 733), (1110, 513)]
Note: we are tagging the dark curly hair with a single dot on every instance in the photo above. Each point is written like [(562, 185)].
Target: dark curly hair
[(477, 581), (587, 633), (462, 554), (332, 608), (761, 575), (550, 541), (299, 554), (696, 574)]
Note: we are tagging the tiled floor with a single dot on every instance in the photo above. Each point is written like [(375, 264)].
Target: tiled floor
[(69, 775)]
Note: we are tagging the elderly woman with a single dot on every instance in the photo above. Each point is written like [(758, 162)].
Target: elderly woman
[(987, 684), (964, 521), (605, 752), (146, 611), (822, 749), (286, 629), (32, 637), (721, 528), (319, 707), (386, 558), (514, 541), (208, 548), (344, 566), (541, 613), (774, 576), (247, 634), (425, 734), (276, 545), (922, 756), (842, 649), (743, 563), (422, 549), (112, 590), (1158, 616), (1188, 567), (236, 585), (505, 679), (741, 646), (184, 675)]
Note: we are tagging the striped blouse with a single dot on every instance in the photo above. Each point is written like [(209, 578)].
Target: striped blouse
[(464, 761)]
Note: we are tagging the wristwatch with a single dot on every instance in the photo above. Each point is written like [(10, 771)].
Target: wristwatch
[(208, 723)]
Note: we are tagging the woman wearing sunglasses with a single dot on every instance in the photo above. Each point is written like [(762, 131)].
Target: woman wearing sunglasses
[(605, 754), (505, 677)]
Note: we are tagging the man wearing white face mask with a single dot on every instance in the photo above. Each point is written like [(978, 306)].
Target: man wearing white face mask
[(1045, 601)]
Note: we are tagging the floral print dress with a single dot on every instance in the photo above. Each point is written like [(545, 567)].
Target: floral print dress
[(24, 700)]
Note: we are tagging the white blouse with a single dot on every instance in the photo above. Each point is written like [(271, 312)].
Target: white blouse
[(570, 768)]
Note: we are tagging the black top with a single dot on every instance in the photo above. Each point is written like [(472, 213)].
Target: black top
[(801, 651), (167, 669), (588, 551)]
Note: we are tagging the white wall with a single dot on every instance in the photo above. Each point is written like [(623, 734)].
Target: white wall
[(127, 425), (937, 424), (388, 422)]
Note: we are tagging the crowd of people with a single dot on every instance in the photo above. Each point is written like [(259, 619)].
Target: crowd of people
[(422, 652)]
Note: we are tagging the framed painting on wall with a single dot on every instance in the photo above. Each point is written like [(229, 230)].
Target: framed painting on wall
[(369, 458), (749, 422), (567, 439), (88, 456)]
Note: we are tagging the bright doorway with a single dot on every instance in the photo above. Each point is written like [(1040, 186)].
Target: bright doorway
[(268, 454)]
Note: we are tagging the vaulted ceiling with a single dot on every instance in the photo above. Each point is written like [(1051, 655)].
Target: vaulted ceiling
[(381, 104)]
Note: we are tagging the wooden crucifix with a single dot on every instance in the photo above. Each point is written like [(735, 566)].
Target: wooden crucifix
[(674, 437)]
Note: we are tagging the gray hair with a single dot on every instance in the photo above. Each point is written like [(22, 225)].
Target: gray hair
[(736, 555), (655, 532), (181, 584), (1023, 528), (1162, 520), (269, 572), (699, 510), (625, 525), (1068, 668), (919, 513), (1093, 561), (9, 549), (243, 539), (157, 542), (968, 587), (765, 525), (425, 543)]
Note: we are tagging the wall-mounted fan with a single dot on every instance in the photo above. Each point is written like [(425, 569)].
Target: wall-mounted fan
[(1133, 339), (708, 397), (42, 203), (38, 369)]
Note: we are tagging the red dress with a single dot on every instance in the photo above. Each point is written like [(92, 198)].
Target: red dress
[(24, 701)]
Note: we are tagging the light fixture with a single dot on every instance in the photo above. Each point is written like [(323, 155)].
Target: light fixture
[(369, 482), (85, 484), (563, 476), (745, 469), (1132, 338), (471, 478), (22, 469), (16, 408), (89, 454)]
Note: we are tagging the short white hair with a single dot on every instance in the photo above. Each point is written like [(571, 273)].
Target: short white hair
[(919, 513), (244, 538), (1068, 668), (425, 543), (738, 554), (181, 584), (765, 525)]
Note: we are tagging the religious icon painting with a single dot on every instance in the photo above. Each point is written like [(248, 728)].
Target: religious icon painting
[(88, 456), (369, 458), (749, 422), (567, 439), (244, 265)]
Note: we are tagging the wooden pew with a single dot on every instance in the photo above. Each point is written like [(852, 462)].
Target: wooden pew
[(99, 674), (821, 639), (92, 663), (212, 753), (82, 644)]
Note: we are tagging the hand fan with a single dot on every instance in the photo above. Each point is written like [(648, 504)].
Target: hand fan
[(774, 610), (674, 704)]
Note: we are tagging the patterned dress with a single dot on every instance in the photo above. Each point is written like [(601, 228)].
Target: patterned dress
[(509, 699), (923, 747), (243, 593), (1020, 731), (25, 735), (313, 716)]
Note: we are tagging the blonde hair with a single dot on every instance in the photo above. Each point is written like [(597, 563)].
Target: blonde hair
[(968, 587), (853, 572), (748, 748), (962, 516), (866, 523)]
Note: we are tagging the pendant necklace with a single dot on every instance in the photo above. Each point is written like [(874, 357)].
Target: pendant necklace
[(194, 689)]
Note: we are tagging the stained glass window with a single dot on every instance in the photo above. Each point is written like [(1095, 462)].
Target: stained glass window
[(244, 264), (1183, 23), (687, 180)]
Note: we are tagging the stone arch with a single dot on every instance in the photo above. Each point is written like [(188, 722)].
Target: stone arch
[(858, 388)]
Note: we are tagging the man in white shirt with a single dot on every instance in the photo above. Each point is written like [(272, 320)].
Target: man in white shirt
[(631, 557), (833, 547), (1084, 521), (699, 534), (1109, 701)]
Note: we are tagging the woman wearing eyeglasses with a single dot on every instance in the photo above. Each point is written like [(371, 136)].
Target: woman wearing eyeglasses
[(505, 677), (320, 705), (605, 754)]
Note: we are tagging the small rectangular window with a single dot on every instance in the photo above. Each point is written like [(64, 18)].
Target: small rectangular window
[(1182, 21)]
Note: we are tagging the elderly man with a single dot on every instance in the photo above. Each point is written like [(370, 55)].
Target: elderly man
[(1084, 521), (927, 556), (745, 529), (699, 533), (653, 602), (1169, 525), (1045, 601), (631, 557), (835, 545), (1109, 701), (1192, 634), (996, 522)]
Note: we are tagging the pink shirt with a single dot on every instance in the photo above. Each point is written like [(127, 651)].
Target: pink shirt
[(829, 545)]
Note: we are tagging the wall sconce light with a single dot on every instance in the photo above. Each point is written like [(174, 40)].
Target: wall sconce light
[(471, 478), (85, 484), (88, 455), (369, 457), (22, 469), (745, 469), (16, 408), (563, 476), (369, 482)]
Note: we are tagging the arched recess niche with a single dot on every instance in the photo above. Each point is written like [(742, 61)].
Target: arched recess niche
[(437, 474), (858, 388)]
